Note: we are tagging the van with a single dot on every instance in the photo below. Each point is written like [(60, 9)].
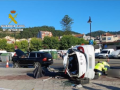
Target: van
[(97, 51), (105, 53), (79, 63)]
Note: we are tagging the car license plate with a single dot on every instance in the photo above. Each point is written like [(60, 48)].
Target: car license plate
[(49, 59)]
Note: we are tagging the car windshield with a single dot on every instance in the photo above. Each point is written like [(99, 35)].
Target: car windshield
[(104, 51)]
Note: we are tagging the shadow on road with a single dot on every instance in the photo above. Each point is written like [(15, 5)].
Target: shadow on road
[(51, 74), (89, 88), (108, 87), (115, 67)]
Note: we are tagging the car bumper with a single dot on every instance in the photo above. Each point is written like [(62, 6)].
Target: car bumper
[(102, 56), (47, 63)]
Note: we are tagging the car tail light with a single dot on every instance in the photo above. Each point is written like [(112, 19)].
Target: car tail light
[(81, 49), (65, 71), (82, 76), (44, 59)]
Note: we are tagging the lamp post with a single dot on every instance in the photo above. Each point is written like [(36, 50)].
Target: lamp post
[(89, 21)]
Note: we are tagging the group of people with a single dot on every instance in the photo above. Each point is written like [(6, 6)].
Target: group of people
[(101, 67)]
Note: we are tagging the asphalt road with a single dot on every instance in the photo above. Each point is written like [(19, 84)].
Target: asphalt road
[(23, 79), (114, 63), (56, 64)]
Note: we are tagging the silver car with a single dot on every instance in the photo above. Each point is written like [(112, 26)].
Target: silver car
[(115, 54)]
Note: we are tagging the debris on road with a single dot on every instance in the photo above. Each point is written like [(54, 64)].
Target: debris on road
[(79, 86), (46, 79)]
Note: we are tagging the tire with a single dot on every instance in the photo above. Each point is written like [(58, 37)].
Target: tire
[(38, 70), (16, 65), (82, 81), (36, 64)]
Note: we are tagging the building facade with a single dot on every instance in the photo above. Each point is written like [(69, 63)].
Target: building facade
[(107, 37), (84, 36), (42, 34)]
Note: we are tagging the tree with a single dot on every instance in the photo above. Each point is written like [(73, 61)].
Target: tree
[(66, 24), (9, 47), (67, 41), (51, 43), (24, 45), (3, 43), (35, 44), (18, 44)]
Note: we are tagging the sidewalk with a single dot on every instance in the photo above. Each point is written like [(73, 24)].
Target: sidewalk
[(56, 84)]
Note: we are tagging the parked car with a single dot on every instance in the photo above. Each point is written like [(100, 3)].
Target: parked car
[(105, 53), (115, 54), (97, 51), (31, 59)]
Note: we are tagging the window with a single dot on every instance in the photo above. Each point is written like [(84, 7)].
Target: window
[(104, 51), (104, 38), (32, 54), (38, 55), (109, 38), (46, 55)]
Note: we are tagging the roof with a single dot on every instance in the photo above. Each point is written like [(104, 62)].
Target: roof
[(107, 34), (79, 35)]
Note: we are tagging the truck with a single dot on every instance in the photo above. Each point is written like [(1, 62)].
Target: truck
[(79, 63), (34, 59)]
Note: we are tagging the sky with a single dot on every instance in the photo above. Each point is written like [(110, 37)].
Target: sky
[(105, 14)]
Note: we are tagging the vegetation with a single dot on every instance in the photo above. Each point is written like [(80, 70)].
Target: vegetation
[(51, 43), (100, 32), (48, 43), (35, 44), (3, 43), (68, 40), (32, 32)]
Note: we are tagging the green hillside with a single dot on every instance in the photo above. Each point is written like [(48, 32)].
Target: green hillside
[(100, 32), (32, 32)]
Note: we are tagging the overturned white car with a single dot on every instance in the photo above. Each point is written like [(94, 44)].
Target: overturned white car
[(79, 63)]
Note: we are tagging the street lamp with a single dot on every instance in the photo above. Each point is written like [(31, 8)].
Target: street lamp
[(89, 21)]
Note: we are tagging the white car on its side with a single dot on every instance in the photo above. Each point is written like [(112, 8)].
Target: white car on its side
[(79, 63)]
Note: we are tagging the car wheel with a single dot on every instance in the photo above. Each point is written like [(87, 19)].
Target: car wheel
[(82, 81), (16, 65)]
